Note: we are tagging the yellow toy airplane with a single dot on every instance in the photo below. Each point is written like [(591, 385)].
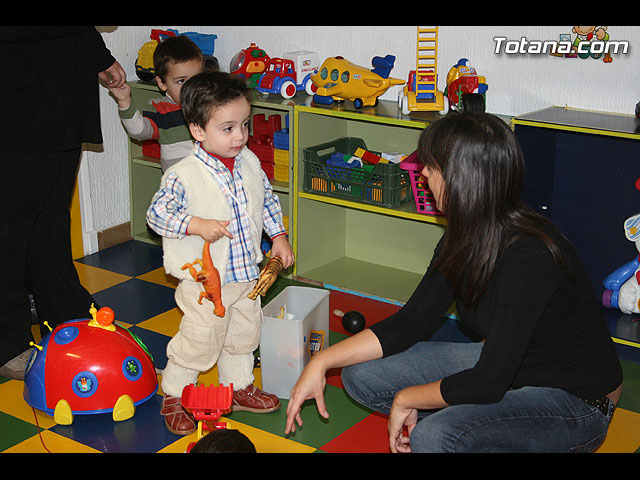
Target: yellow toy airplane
[(339, 80)]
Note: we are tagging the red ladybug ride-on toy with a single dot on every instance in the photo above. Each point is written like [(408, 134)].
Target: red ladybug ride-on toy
[(89, 366), (465, 90)]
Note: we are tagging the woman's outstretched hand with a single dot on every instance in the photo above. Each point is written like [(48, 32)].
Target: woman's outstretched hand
[(311, 384)]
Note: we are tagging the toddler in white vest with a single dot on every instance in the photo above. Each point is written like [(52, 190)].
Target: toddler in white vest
[(220, 197)]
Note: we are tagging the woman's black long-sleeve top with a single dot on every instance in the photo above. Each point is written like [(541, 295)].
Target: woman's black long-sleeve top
[(540, 328)]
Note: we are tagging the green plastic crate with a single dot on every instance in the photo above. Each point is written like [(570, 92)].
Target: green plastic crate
[(384, 184)]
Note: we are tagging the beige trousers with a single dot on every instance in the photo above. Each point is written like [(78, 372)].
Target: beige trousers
[(205, 340)]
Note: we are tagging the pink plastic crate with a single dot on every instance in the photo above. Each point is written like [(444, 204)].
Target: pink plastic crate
[(425, 203)]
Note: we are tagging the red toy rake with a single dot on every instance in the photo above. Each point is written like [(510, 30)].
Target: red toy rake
[(207, 404)]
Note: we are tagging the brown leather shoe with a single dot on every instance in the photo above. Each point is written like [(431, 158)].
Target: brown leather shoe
[(176, 418), (252, 399)]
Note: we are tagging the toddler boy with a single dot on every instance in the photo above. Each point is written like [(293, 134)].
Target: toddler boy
[(219, 194)]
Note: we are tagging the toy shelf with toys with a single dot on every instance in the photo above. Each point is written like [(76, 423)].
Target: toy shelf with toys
[(349, 230)]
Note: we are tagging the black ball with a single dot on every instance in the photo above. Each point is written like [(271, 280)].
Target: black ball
[(353, 321)]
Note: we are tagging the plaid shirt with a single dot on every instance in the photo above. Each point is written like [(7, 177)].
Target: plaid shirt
[(167, 216)]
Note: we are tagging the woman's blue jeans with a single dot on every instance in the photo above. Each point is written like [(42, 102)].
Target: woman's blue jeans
[(528, 419)]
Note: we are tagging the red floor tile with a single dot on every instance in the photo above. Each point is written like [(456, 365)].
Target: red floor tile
[(367, 436)]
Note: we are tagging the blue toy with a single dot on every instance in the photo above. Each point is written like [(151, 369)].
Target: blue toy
[(622, 286)]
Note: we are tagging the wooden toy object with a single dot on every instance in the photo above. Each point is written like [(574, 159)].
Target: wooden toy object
[(210, 279), (268, 275)]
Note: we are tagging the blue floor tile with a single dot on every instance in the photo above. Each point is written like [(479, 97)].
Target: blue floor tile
[(156, 343), (130, 258), (145, 432), (136, 300)]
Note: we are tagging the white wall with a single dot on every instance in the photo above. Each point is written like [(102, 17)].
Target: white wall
[(517, 83)]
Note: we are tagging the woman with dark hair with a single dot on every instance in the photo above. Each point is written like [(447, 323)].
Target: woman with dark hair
[(544, 378)]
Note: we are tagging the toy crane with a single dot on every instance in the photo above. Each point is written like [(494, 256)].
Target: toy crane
[(420, 92), (207, 404)]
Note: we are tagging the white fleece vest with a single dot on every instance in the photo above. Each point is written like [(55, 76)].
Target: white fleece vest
[(206, 198)]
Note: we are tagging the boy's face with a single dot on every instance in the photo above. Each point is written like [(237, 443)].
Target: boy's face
[(177, 74), (227, 130)]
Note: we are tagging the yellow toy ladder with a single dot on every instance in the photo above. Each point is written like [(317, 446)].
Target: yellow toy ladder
[(426, 62)]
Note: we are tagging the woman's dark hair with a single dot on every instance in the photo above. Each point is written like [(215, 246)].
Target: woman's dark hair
[(179, 49), (206, 91), (483, 171)]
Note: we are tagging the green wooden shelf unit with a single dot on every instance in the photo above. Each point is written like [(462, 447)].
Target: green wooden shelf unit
[(382, 251), (144, 171)]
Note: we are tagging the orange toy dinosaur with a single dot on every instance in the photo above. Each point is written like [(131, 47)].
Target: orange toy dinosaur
[(210, 279)]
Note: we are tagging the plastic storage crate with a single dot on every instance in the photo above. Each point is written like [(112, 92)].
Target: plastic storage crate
[(384, 184), (295, 327), (425, 203)]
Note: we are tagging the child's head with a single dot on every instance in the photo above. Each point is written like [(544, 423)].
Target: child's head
[(216, 107), (176, 60), (224, 441)]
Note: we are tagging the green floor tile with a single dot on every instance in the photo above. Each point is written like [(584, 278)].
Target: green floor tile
[(316, 431), (14, 431)]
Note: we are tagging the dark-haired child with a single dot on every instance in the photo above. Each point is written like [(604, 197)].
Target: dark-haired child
[(219, 194), (176, 60)]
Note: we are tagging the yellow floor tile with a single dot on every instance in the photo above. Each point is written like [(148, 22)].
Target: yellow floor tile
[(624, 433), (53, 442), (264, 442), (160, 277), (96, 279), (181, 445), (210, 377), (167, 323), (13, 403)]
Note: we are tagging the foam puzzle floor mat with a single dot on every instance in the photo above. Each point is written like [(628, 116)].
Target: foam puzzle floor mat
[(130, 279)]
